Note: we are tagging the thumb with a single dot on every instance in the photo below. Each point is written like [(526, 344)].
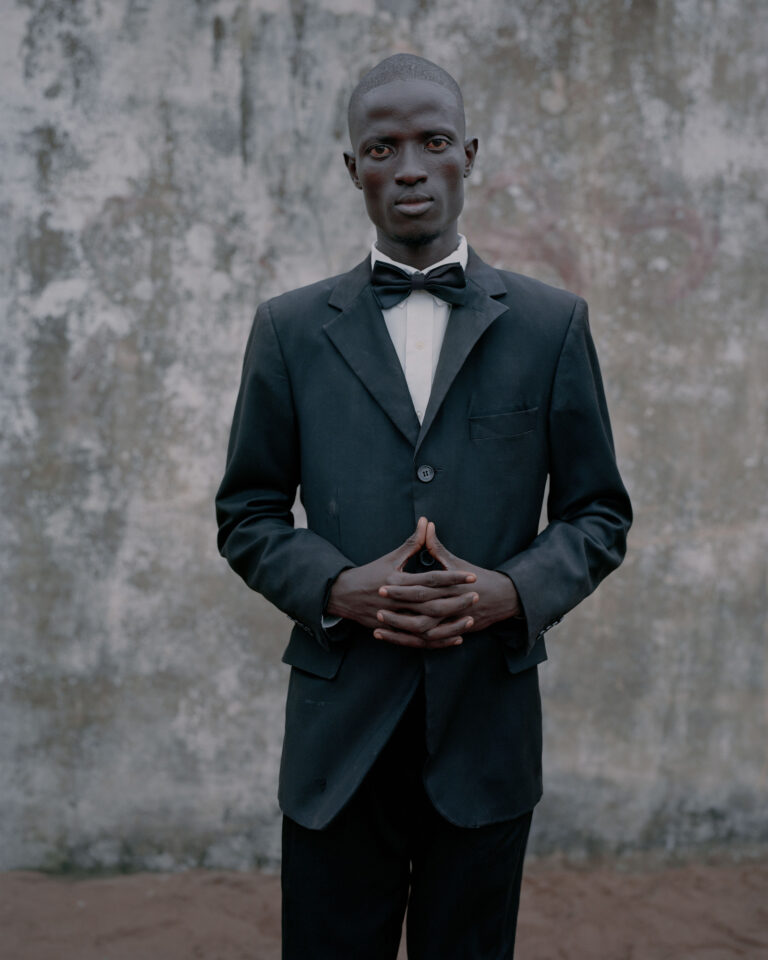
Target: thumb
[(412, 545)]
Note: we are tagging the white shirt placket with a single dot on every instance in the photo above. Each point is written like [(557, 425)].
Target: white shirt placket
[(419, 336)]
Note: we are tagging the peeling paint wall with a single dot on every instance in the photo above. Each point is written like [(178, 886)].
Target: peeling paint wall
[(164, 166)]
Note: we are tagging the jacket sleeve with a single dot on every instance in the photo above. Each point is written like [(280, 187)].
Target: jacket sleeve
[(293, 568), (588, 508)]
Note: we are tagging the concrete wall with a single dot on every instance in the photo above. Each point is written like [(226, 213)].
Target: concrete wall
[(165, 165)]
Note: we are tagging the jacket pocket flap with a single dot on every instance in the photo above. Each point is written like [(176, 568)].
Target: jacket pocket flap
[(305, 653), (499, 426)]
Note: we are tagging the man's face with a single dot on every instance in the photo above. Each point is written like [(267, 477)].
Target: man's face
[(410, 159)]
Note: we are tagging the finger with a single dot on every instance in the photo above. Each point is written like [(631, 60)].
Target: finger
[(412, 640), (439, 607), (413, 594), (412, 545), (406, 622), (429, 628), (438, 551), (443, 644), (424, 602), (449, 628), (436, 579)]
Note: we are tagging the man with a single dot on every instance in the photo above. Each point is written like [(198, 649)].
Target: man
[(421, 401)]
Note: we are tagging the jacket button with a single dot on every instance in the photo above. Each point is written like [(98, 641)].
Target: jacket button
[(425, 473), (426, 558)]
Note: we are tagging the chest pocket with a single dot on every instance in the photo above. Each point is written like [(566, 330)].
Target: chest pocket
[(503, 426)]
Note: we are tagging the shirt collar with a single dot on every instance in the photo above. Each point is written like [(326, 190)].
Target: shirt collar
[(459, 255)]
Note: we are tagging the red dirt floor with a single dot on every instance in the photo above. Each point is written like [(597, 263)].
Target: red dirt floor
[(692, 912)]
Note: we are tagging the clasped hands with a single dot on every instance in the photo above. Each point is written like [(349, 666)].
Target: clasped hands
[(429, 610)]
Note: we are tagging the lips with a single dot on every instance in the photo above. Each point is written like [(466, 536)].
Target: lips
[(413, 204)]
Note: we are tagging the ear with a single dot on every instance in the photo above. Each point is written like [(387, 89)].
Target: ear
[(351, 163), (470, 153)]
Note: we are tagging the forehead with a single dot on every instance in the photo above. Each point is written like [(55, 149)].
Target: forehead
[(404, 105)]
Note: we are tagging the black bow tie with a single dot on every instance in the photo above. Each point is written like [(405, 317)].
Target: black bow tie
[(391, 284)]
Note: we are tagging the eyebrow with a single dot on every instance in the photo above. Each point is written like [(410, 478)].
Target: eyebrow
[(426, 134)]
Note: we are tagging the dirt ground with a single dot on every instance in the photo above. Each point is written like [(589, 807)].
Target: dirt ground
[(696, 911)]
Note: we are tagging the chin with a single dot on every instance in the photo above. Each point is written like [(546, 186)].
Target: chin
[(417, 239)]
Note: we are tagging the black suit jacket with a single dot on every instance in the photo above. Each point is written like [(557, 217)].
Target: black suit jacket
[(517, 399)]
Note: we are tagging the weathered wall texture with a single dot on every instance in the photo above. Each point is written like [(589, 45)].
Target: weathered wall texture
[(165, 165)]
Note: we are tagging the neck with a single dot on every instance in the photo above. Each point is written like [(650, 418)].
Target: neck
[(419, 254)]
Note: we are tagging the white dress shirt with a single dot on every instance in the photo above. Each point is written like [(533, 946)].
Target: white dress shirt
[(417, 327)]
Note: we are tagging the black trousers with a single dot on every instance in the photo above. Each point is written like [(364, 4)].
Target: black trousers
[(346, 888)]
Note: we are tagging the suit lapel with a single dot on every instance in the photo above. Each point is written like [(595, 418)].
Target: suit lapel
[(361, 337), (467, 323)]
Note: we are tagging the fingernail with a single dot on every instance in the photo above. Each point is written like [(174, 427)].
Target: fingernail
[(383, 592), (458, 643), (470, 578), (475, 597), (470, 621), (377, 634), (380, 616)]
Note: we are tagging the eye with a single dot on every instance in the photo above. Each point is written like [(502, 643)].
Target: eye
[(379, 151), (438, 144)]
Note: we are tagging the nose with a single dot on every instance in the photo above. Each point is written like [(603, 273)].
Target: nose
[(411, 168)]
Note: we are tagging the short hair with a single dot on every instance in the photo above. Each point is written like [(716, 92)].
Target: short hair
[(403, 66)]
